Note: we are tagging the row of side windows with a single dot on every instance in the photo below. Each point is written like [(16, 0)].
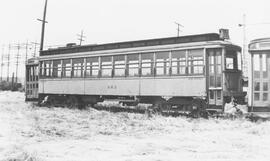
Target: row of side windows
[(180, 62), (31, 73)]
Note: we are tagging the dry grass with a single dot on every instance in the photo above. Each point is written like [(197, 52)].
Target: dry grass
[(38, 133)]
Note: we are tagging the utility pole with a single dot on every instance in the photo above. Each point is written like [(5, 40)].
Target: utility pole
[(35, 48), (2, 62), (8, 63), (243, 25), (43, 26), (178, 28), (81, 37), (26, 51), (17, 62), (244, 53)]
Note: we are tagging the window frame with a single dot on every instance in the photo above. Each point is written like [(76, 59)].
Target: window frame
[(92, 66), (162, 62), (65, 67), (119, 65), (192, 60), (78, 67), (178, 60), (57, 70), (147, 64), (133, 64), (108, 65)]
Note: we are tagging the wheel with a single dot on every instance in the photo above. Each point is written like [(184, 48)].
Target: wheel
[(51, 102), (199, 109), (72, 102)]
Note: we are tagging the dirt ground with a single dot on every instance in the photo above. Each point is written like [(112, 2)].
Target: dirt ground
[(35, 133)]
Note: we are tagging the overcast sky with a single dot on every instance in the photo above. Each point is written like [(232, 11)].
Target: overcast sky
[(124, 20)]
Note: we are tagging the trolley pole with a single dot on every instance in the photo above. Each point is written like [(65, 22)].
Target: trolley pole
[(81, 37), (178, 28)]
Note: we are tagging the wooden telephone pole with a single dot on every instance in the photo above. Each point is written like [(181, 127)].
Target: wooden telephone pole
[(43, 26), (2, 62)]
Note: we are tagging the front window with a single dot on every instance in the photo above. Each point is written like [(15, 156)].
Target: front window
[(233, 60)]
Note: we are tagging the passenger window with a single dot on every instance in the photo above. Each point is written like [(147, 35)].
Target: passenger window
[(133, 65), (119, 65), (42, 70), (56, 68), (48, 68), (256, 65), (106, 66), (195, 61), (162, 63), (179, 62), (78, 66), (147, 64), (92, 67), (264, 66), (66, 68)]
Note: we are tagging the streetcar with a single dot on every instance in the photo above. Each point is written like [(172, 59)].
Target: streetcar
[(259, 75), (31, 79), (186, 72)]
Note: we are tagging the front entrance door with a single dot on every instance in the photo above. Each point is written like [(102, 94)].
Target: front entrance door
[(214, 76), (31, 82)]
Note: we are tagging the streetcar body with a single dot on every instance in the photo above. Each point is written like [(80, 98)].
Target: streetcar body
[(174, 70), (259, 75)]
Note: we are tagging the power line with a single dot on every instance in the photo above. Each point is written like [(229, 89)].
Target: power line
[(35, 48), (26, 51), (8, 59), (2, 62), (18, 46)]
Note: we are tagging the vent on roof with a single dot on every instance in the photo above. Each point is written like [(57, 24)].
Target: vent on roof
[(70, 45)]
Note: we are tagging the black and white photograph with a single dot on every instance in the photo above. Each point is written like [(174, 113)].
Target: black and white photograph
[(134, 80)]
